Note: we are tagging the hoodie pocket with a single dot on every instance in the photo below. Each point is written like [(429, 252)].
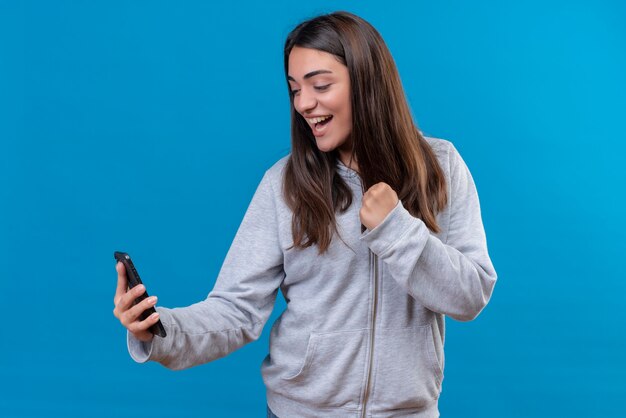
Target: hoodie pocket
[(332, 370), (408, 373)]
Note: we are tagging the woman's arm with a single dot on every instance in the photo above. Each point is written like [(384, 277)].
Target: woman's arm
[(239, 305), (455, 278)]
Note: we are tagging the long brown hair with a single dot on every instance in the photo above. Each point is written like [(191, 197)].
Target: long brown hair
[(387, 145)]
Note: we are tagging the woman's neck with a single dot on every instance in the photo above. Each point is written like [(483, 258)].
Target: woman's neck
[(348, 159), (350, 162)]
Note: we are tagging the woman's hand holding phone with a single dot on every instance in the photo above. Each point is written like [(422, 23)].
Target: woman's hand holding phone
[(129, 314)]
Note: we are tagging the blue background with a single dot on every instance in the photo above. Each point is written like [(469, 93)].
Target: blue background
[(146, 127)]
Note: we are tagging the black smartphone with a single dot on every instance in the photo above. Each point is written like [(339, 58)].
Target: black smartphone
[(134, 280)]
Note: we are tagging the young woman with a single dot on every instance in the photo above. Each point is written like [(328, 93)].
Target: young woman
[(372, 232)]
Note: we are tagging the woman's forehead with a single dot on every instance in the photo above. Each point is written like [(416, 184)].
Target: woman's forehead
[(308, 62)]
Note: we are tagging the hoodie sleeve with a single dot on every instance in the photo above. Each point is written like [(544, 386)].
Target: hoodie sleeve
[(455, 278), (240, 303)]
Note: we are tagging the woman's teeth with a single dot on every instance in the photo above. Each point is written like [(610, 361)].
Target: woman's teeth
[(313, 121)]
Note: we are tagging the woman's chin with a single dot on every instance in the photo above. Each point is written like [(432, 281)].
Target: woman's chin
[(328, 143), (325, 146)]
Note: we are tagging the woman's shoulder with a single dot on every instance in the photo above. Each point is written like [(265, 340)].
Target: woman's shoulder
[(274, 174), (442, 149), (277, 168), (439, 145)]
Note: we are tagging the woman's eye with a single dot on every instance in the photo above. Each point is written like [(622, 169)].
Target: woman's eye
[(322, 88), (294, 92)]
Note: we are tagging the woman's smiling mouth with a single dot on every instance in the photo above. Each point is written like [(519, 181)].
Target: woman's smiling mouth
[(318, 124)]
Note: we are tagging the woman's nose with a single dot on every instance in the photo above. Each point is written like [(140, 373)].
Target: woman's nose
[(305, 101)]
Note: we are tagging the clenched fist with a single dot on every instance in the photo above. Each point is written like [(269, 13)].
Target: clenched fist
[(378, 201)]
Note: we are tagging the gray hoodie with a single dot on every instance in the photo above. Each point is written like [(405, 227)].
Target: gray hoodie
[(363, 330)]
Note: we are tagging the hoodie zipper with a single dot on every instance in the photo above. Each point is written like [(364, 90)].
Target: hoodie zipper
[(371, 359)]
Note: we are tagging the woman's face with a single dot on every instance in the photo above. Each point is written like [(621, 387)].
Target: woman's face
[(321, 94)]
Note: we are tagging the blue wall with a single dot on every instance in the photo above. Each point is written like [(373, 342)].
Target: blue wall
[(159, 96)]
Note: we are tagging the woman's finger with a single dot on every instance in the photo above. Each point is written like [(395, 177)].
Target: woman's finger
[(141, 327), (126, 300), (134, 312), (122, 282)]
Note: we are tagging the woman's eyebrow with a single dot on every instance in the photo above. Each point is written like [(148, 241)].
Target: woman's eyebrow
[(311, 74)]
